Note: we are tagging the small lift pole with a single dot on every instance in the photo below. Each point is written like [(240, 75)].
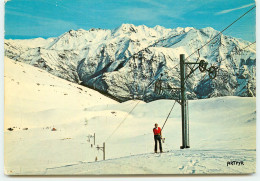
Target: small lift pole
[(103, 149)]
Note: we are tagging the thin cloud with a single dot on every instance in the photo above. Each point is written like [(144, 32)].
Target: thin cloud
[(157, 11), (234, 9), (154, 3)]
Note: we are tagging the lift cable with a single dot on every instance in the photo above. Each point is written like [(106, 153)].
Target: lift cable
[(169, 114), (220, 33), (166, 117), (225, 58), (122, 121), (238, 51)]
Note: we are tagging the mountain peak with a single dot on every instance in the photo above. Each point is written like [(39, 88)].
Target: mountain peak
[(159, 28), (209, 29), (126, 28)]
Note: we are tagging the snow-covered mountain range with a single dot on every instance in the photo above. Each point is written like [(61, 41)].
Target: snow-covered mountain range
[(125, 62)]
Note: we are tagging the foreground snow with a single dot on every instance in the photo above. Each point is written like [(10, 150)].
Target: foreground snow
[(221, 130), (174, 162)]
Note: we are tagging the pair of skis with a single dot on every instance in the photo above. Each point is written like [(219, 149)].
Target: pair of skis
[(159, 153)]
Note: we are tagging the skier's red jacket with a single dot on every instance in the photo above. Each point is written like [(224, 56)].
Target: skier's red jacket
[(157, 131)]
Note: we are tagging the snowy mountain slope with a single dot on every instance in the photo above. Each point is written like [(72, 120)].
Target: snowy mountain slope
[(221, 130), (30, 43), (124, 61), (27, 87), (36, 102)]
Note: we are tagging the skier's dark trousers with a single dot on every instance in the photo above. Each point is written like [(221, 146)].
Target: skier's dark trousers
[(157, 137)]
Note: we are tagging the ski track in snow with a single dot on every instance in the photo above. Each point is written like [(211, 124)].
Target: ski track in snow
[(221, 130)]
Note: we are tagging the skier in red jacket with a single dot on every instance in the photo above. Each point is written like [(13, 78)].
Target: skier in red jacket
[(157, 137)]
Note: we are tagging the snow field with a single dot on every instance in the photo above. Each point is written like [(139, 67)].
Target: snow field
[(221, 129)]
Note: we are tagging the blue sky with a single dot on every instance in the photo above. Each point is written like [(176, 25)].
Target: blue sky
[(50, 18)]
